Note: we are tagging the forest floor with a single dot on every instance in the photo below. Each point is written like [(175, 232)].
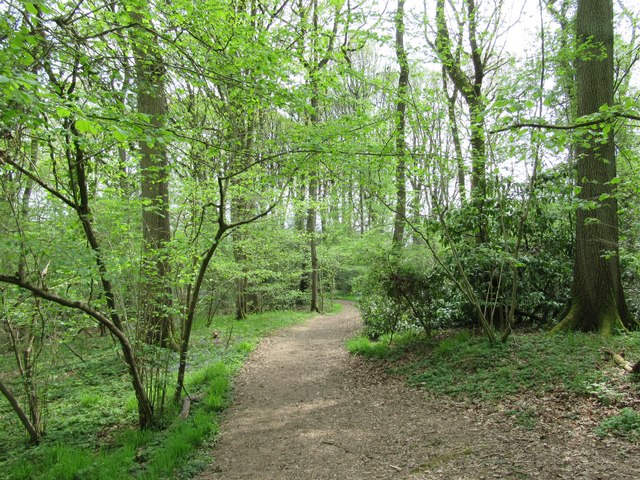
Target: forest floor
[(305, 409)]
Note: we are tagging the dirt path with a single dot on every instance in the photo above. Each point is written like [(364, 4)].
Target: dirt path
[(305, 409)]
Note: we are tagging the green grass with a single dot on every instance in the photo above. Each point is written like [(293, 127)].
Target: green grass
[(348, 296), (92, 412), (363, 346), (625, 425), (469, 367)]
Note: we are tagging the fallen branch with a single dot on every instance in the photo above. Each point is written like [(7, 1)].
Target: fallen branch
[(186, 404), (619, 360)]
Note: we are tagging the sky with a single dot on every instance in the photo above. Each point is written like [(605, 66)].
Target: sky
[(520, 27)]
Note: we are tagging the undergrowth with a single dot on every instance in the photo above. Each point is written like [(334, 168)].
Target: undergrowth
[(468, 367), (92, 412), (625, 425)]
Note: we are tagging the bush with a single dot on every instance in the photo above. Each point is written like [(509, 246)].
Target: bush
[(406, 293), (380, 315), (625, 425)]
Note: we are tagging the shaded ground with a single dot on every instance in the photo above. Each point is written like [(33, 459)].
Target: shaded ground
[(305, 409)]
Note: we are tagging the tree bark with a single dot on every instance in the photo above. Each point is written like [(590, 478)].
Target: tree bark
[(455, 136), (34, 434), (401, 107), (318, 56), (597, 299), (471, 89), (156, 295), (313, 242)]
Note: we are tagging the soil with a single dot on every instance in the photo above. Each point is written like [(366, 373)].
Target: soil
[(305, 409)]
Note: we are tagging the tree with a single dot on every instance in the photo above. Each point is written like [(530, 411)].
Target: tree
[(597, 298), (401, 108), (156, 296), (471, 88), (315, 50)]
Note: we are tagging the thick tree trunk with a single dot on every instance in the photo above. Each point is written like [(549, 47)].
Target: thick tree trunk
[(156, 295), (300, 219), (313, 247), (241, 207), (478, 168), (597, 302), (312, 210)]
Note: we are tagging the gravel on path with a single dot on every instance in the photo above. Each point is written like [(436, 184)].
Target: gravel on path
[(305, 409)]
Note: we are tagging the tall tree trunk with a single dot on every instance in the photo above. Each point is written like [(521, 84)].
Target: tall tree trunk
[(241, 208), (455, 135), (597, 299), (401, 108), (312, 213), (478, 167), (471, 89), (315, 50), (156, 295), (299, 221), (416, 208)]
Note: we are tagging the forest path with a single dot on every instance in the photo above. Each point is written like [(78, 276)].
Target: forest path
[(305, 409)]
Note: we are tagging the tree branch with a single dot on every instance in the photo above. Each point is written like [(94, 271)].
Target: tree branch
[(4, 159), (549, 126)]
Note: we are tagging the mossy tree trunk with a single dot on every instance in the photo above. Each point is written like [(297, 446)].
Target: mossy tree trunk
[(401, 108), (470, 87), (597, 302)]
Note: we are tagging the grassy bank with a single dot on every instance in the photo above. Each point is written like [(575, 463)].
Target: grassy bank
[(528, 366), (91, 410)]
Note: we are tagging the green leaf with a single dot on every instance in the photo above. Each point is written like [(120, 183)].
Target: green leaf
[(31, 8), (615, 181), (119, 135), (63, 112), (85, 126)]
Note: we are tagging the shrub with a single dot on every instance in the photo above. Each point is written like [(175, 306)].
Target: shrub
[(625, 425)]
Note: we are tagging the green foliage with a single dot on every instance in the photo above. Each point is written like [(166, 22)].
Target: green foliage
[(625, 425), (524, 418), (91, 411), (380, 316), (238, 133), (461, 365), (407, 292), (389, 346), (178, 444), (362, 345), (218, 381)]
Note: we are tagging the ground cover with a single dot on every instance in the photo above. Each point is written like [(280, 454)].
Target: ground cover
[(533, 378), (91, 413)]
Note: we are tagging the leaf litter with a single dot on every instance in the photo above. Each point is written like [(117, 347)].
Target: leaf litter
[(305, 409)]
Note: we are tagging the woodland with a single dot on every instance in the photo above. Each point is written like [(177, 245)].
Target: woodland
[(174, 172)]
